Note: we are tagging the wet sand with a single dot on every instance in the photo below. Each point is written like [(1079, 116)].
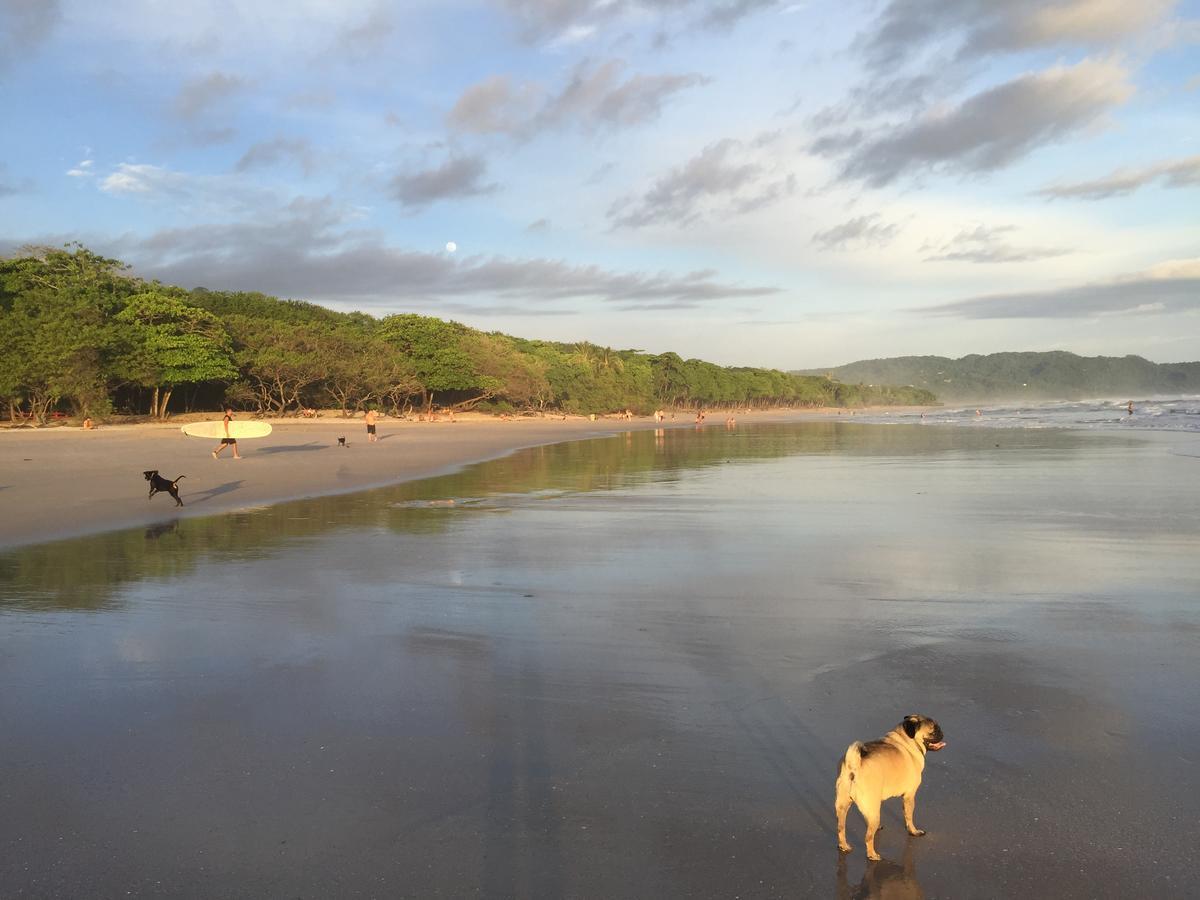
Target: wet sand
[(623, 668), (64, 481)]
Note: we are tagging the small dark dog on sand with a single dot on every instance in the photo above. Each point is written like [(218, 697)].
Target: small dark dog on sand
[(341, 442), (158, 483)]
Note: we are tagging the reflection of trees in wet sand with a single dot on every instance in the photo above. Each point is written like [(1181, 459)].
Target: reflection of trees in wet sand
[(83, 573), (504, 700)]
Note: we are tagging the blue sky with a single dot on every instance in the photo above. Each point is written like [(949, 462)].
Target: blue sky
[(754, 182)]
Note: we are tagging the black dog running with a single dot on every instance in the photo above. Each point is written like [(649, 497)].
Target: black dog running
[(158, 483)]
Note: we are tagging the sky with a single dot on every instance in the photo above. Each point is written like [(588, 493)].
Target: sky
[(751, 182)]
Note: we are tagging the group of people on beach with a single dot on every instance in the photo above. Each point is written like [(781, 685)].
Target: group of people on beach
[(371, 420)]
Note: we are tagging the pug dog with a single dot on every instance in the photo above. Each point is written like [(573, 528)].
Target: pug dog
[(874, 771)]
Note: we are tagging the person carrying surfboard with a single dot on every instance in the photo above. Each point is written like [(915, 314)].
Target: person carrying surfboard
[(227, 440)]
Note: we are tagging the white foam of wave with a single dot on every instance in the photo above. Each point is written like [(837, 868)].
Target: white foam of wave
[(1155, 413)]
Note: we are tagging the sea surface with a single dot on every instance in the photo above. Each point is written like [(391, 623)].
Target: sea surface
[(626, 667), (1152, 414)]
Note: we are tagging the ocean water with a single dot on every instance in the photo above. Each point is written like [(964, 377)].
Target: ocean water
[(1153, 414), (625, 668)]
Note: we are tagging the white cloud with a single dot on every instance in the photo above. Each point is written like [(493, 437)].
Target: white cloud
[(858, 233), (82, 169), (551, 19), (727, 178), (201, 95), (24, 26), (458, 176), (1175, 173), (143, 178), (989, 130), (596, 97), (989, 244), (906, 28), (278, 150), (305, 250), (1172, 286)]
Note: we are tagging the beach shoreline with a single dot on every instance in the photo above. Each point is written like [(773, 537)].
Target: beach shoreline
[(615, 668), (62, 481)]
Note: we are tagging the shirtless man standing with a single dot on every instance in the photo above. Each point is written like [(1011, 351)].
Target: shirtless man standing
[(371, 419)]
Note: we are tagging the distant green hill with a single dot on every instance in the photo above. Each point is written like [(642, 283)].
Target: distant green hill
[(1034, 376)]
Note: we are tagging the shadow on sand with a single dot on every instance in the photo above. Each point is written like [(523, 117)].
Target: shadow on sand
[(292, 448), (217, 491)]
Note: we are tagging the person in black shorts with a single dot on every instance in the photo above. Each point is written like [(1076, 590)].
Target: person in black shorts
[(371, 418), (227, 441)]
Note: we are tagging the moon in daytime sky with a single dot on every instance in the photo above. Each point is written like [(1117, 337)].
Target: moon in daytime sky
[(451, 246)]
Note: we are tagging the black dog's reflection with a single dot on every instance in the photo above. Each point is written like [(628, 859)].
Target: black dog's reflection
[(154, 532), (882, 880)]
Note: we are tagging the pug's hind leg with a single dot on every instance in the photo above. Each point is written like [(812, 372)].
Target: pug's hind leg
[(843, 844), (910, 801), (842, 806), (872, 817)]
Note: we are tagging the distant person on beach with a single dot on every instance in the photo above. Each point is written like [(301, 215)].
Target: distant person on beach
[(88, 425), (1131, 407), (371, 419), (227, 441)]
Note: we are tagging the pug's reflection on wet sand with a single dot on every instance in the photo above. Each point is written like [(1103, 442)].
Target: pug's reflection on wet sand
[(872, 772), (882, 880)]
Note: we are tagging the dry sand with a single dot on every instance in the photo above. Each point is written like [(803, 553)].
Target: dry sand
[(58, 482)]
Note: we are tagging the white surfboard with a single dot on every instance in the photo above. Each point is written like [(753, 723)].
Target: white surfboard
[(237, 429)]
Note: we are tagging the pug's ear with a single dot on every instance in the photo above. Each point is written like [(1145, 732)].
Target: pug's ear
[(911, 724)]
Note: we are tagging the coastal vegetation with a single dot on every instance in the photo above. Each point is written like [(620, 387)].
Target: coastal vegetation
[(1056, 375), (79, 333)]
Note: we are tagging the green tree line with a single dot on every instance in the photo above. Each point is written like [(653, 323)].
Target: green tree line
[(79, 333)]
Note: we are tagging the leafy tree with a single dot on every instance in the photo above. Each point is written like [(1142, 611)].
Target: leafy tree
[(278, 362), (670, 379), (75, 327), (504, 371), (362, 368), (437, 351), (168, 343), (56, 330)]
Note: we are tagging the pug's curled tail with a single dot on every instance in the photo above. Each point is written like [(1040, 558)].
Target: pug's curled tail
[(851, 762)]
